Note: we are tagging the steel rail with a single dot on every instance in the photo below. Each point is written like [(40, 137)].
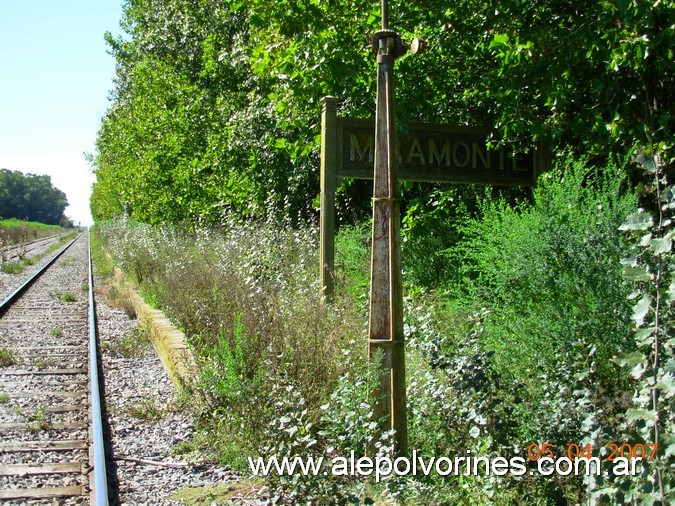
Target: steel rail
[(100, 482), (4, 305), (28, 243), (98, 485)]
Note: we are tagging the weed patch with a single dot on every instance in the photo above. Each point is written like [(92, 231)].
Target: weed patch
[(146, 410), (135, 344), (37, 420), (7, 357), (120, 297), (66, 296), (215, 495), (12, 267)]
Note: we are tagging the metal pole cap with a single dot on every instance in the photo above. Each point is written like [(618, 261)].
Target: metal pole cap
[(418, 46)]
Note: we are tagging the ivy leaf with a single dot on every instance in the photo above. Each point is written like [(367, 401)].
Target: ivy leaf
[(670, 365), (635, 274), (636, 361), (666, 386), (637, 371), (668, 445), (643, 337), (660, 246), (671, 290), (633, 415), (631, 359), (639, 220), (631, 260), (640, 310)]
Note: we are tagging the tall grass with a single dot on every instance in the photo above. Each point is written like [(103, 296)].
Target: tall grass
[(16, 223), (246, 296), (14, 231)]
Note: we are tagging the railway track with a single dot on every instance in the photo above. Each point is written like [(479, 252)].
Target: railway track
[(18, 251), (51, 442)]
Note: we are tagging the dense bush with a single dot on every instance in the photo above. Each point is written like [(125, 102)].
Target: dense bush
[(551, 270), (550, 275)]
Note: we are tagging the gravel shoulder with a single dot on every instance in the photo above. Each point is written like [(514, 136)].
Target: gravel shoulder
[(149, 423)]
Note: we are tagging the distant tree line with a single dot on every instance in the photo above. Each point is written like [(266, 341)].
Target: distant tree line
[(31, 197)]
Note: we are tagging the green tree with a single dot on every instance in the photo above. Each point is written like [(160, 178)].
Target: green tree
[(30, 197), (216, 104)]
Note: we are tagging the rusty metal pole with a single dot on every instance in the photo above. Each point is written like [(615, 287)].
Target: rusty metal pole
[(386, 300)]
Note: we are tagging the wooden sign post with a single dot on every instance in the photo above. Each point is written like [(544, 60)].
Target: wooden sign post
[(329, 178)]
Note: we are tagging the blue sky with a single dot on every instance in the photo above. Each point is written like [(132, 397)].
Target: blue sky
[(55, 77)]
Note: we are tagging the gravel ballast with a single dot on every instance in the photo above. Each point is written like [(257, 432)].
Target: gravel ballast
[(10, 282), (147, 421)]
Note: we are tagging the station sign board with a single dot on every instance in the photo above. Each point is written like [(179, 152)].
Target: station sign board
[(425, 153), (436, 153)]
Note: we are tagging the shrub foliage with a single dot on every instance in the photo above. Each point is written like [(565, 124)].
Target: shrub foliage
[(526, 346)]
